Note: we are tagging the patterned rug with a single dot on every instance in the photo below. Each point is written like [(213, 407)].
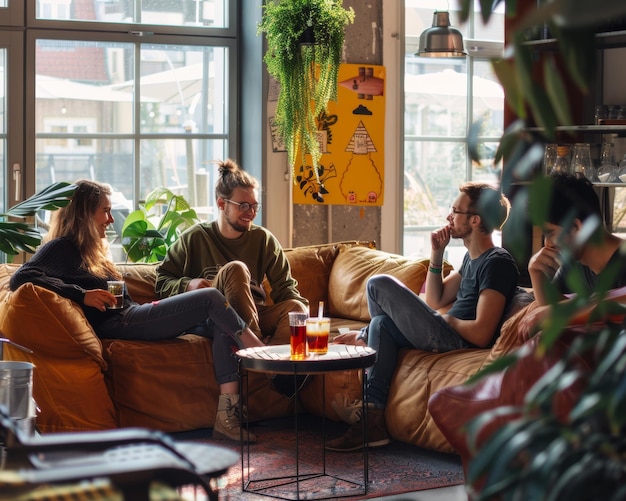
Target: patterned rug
[(395, 469)]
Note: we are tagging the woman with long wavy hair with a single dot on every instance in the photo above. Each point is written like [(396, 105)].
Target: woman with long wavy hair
[(75, 263)]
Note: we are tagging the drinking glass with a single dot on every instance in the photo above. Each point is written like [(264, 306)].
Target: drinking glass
[(581, 161), (317, 332), (607, 172), (116, 287), (562, 162), (549, 157), (298, 340)]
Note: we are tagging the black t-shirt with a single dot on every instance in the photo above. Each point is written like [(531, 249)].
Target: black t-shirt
[(617, 265)]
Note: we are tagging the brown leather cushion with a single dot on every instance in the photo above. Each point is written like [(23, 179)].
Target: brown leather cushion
[(349, 274), (418, 374), (170, 385), (140, 279), (167, 385), (6, 270), (310, 266), (454, 407), (68, 383)]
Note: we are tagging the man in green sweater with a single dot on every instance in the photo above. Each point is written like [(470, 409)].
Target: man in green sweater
[(234, 255)]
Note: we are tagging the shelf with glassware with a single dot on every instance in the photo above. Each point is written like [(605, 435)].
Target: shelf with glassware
[(604, 40), (619, 130)]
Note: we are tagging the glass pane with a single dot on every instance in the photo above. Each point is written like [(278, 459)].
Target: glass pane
[(71, 158), (192, 13), (419, 15), (182, 89), (494, 30), (74, 97), (3, 129), (488, 100), (435, 97), (185, 166)]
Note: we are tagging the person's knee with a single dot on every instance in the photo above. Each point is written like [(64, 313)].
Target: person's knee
[(236, 270), (380, 283)]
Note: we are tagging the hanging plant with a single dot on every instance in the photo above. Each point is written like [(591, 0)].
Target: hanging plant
[(304, 46)]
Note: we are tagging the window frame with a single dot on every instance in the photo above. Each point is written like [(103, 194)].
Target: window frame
[(132, 34)]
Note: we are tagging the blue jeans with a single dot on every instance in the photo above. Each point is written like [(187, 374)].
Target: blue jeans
[(204, 312), (400, 319)]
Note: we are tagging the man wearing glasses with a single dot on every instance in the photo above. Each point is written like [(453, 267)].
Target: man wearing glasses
[(234, 255), (463, 310)]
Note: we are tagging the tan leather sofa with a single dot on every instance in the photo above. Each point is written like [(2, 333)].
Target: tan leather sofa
[(83, 383)]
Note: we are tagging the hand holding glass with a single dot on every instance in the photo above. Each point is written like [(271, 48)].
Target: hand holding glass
[(116, 287)]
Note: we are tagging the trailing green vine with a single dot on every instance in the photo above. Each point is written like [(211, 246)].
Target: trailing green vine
[(305, 41)]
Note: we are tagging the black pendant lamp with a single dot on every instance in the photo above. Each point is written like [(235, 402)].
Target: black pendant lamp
[(441, 39)]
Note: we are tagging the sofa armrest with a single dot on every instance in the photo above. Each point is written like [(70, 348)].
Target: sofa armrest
[(68, 379)]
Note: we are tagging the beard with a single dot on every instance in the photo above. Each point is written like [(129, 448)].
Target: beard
[(237, 226), (461, 232)]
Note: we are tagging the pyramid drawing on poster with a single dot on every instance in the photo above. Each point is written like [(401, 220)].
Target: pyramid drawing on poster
[(362, 181)]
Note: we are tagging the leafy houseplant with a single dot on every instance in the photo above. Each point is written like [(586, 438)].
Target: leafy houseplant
[(536, 454), (151, 229), (304, 46), (22, 236)]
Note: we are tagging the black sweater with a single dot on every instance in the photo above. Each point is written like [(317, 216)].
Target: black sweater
[(57, 266)]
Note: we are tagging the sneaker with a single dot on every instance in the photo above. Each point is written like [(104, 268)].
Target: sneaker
[(285, 385), (352, 440), (227, 422), (348, 412)]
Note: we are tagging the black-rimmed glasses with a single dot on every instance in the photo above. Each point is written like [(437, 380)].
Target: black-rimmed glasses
[(245, 206), (454, 211)]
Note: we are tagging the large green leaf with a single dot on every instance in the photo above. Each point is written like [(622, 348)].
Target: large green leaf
[(148, 231), (50, 198), (22, 236)]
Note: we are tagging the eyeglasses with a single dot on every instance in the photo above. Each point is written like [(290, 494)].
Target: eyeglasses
[(454, 211), (245, 206)]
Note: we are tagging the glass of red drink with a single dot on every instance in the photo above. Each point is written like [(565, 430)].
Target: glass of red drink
[(317, 331), (297, 326)]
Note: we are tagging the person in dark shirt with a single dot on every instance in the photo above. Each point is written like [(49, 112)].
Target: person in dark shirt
[(75, 263), (573, 226), (463, 310)]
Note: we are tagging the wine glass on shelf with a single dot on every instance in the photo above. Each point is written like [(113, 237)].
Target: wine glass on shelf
[(549, 157), (607, 172), (562, 162), (581, 162)]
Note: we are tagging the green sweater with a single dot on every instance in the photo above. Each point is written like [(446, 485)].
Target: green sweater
[(202, 249)]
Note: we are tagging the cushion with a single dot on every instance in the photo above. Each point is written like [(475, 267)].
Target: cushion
[(140, 279), (167, 385), (354, 266), (68, 383), (311, 266), (418, 374), (6, 270), (170, 385)]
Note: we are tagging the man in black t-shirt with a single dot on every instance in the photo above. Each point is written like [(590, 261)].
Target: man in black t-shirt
[(462, 310)]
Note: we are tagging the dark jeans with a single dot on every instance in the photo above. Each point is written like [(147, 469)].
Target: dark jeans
[(400, 319), (204, 312)]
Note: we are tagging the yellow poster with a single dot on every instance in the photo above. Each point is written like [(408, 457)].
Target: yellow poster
[(351, 136)]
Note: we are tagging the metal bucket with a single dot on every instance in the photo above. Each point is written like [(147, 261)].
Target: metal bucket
[(16, 389)]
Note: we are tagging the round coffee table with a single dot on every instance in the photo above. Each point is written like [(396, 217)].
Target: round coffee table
[(277, 360)]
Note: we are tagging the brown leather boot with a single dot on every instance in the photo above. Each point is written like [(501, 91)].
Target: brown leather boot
[(352, 440), (227, 421)]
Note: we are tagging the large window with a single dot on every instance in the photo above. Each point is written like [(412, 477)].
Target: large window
[(136, 106), (443, 97)]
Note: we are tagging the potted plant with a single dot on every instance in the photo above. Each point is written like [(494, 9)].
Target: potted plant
[(21, 235), (150, 230), (304, 46), (536, 454)]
